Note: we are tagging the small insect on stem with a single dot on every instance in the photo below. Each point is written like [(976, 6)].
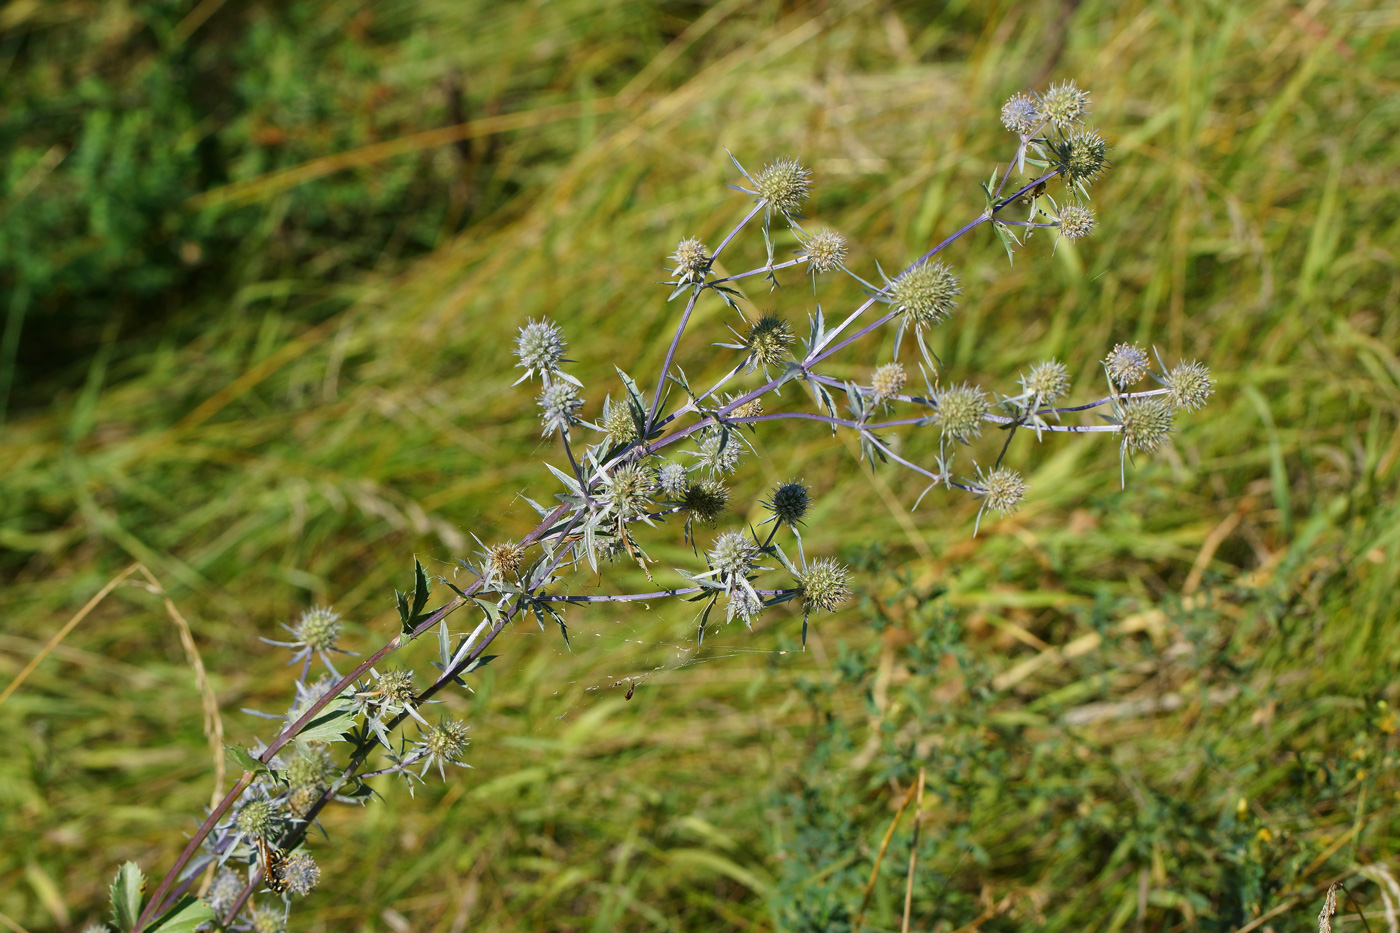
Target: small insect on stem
[(273, 862)]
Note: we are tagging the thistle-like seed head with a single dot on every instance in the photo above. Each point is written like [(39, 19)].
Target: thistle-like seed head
[(672, 479), (783, 185), (1126, 365), (318, 628), (768, 340), (926, 293), (1048, 382), (1082, 158), (300, 873), (1146, 423), (559, 405), (1190, 385), (825, 584), (750, 409), (617, 421), (692, 261), (733, 554), (825, 250), (1064, 105), (540, 348), (790, 502), (504, 560), (1020, 114), (706, 501), (1076, 222), (629, 489), (961, 410), (1004, 489), (887, 381)]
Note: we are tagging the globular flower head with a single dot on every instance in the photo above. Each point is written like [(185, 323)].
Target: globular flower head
[(540, 348), (395, 687), (825, 250), (504, 560), (1126, 365), (733, 554), (960, 412), (1002, 490), (1146, 423), (266, 918), (750, 409), (1020, 114), (559, 405), (768, 340), (313, 766), (926, 293), (301, 799), (1064, 105), (618, 423), (1081, 158), (225, 889), (629, 489), (743, 603), (1076, 222), (318, 628), (1189, 385), (783, 185), (692, 261), (257, 818), (672, 479), (1047, 382), (444, 744), (300, 873), (719, 452), (887, 381), (706, 501), (825, 584), (790, 502)]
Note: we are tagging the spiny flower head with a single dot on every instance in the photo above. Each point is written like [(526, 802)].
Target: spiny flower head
[(1081, 158), (257, 818), (719, 452), (742, 603), (504, 560), (825, 250), (783, 185), (1003, 490), (733, 554), (750, 409), (926, 293), (1126, 365), (225, 889), (706, 500), (318, 628), (790, 503), (559, 405), (443, 744), (692, 261), (1146, 422), (1076, 222), (302, 799), (312, 767), (1020, 114), (1190, 385), (394, 688), (672, 479), (1064, 105), (768, 340), (618, 423), (825, 584), (961, 410), (1047, 382), (540, 349), (266, 918), (629, 488), (300, 873), (887, 381)]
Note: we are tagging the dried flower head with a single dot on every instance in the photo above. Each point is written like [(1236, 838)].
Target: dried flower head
[(825, 584), (706, 501), (926, 293), (750, 409), (960, 412), (559, 405), (618, 423), (672, 479), (1076, 222), (887, 381), (1146, 422), (783, 185), (733, 554), (300, 873), (1190, 385), (1046, 383), (1020, 114), (1126, 365), (1081, 158), (790, 503), (768, 340), (825, 250), (504, 560), (540, 349), (1064, 105), (692, 262)]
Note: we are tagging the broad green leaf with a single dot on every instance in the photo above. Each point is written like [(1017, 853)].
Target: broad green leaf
[(127, 891)]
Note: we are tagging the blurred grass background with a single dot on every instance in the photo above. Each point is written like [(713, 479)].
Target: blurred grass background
[(262, 264)]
